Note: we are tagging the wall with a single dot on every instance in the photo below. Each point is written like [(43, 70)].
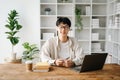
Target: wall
[(29, 18)]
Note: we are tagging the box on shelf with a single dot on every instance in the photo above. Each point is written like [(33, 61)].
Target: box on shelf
[(95, 36), (95, 23), (88, 11), (96, 47), (46, 36)]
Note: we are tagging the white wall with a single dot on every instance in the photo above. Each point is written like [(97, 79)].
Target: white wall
[(29, 18)]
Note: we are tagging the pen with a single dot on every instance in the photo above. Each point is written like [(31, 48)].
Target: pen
[(67, 58)]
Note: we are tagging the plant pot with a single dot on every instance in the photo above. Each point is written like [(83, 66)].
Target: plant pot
[(47, 12)]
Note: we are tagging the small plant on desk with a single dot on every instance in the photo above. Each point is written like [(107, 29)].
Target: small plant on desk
[(31, 51)]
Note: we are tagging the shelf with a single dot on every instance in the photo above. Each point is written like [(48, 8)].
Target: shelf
[(99, 1), (48, 1), (97, 18), (65, 4), (83, 40), (48, 28), (83, 1)]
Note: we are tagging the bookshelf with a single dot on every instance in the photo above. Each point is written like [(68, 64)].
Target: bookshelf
[(97, 35)]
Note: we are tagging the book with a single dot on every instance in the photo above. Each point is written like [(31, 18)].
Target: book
[(41, 67)]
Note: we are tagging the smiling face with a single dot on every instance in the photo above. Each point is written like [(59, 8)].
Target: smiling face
[(63, 29)]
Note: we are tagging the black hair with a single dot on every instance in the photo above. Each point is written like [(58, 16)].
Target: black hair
[(63, 20)]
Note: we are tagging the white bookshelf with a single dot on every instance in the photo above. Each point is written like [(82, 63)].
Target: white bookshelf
[(102, 11), (113, 30)]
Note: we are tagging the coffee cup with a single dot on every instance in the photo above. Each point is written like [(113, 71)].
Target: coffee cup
[(28, 66)]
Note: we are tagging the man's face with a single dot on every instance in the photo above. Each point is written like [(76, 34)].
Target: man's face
[(63, 29)]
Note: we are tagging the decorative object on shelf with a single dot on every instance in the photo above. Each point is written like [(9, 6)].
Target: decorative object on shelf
[(95, 36), (96, 47), (88, 10), (78, 22), (47, 11), (14, 27), (95, 23), (64, 1), (46, 36), (31, 51)]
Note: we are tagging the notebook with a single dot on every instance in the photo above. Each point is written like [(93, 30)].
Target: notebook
[(92, 62)]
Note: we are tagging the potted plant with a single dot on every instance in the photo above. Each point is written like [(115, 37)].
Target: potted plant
[(78, 22), (47, 11), (31, 51), (14, 27)]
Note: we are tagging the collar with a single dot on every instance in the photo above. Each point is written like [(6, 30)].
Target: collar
[(69, 41)]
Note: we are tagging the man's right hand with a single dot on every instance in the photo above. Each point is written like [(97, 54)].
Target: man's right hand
[(59, 62)]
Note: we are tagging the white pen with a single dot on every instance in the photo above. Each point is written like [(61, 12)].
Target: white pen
[(67, 58)]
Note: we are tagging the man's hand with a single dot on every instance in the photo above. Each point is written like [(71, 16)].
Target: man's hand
[(59, 62), (68, 63)]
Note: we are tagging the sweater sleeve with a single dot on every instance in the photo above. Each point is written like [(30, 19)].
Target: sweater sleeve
[(79, 55), (45, 53)]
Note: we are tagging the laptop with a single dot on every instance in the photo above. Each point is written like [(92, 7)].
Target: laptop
[(92, 62)]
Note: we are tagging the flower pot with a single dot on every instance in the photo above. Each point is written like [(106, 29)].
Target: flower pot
[(47, 12)]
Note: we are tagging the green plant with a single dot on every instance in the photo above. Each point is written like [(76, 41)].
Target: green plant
[(30, 51), (14, 27), (78, 22), (47, 9)]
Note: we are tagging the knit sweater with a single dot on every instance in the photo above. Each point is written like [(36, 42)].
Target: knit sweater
[(50, 49)]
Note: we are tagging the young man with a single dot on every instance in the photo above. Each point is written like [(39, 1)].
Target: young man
[(62, 50)]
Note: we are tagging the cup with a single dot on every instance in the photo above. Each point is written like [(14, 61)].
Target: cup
[(28, 66)]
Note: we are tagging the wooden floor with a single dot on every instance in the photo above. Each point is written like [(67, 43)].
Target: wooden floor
[(18, 72)]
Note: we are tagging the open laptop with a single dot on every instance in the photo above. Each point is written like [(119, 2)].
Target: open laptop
[(92, 62)]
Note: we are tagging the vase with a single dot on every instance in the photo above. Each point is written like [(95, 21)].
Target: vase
[(47, 12)]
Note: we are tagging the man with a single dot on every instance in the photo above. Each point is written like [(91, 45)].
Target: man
[(62, 50)]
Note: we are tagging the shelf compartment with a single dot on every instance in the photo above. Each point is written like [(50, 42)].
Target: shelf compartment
[(51, 6), (84, 8), (48, 31), (83, 35), (48, 21), (101, 21), (65, 10), (99, 9), (113, 35), (101, 34), (98, 46), (85, 21)]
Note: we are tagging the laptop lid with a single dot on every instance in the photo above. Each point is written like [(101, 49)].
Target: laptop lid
[(93, 62)]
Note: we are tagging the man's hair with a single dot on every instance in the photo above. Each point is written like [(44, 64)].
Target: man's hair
[(63, 20)]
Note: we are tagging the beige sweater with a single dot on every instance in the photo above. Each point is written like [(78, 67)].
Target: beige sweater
[(49, 51)]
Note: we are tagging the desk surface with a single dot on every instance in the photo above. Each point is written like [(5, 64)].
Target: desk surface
[(18, 72)]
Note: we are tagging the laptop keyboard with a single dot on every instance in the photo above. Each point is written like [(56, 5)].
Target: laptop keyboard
[(77, 68)]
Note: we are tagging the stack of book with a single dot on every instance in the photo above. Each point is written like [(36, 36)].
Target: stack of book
[(88, 11), (118, 8), (117, 22), (41, 67), (95, 23), (96, 47)]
